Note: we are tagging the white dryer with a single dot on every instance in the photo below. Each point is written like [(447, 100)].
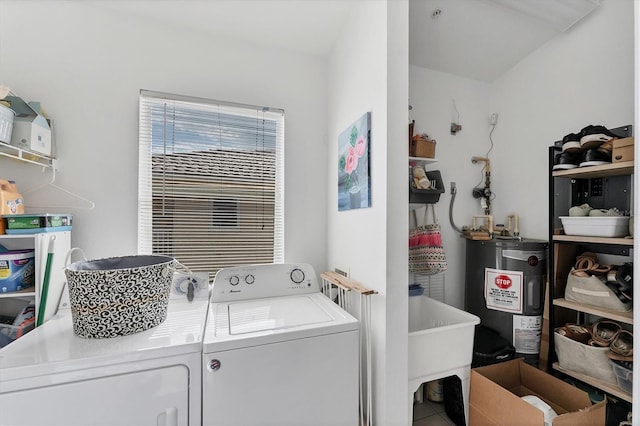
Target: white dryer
[(277, 351), (53, 377)]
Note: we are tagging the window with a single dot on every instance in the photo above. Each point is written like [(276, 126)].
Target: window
[(210, 187)]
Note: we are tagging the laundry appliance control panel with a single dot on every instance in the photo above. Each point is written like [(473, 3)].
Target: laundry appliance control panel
[(265, 280)]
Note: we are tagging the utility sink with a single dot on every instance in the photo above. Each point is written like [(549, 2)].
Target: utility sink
[(440, 343)]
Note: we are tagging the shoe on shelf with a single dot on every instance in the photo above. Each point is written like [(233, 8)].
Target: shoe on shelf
[(604, 212), (581, 210), (594, 136), (606, 147), (594, 157), (624, 275), (571, 143), (622, 344), (604, 332), (575, 332), (567, 160)]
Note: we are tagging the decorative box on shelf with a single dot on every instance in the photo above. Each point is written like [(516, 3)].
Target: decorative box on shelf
[(422, 146)]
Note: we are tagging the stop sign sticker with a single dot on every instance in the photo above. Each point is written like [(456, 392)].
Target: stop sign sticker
[(503, 282), (503, 290)]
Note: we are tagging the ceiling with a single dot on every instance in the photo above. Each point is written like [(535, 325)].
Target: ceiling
[(478, 39)]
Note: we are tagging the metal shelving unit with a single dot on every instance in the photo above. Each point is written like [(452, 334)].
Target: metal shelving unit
[(563, 251)]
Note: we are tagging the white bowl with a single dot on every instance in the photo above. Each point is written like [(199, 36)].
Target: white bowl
[(596, 226)]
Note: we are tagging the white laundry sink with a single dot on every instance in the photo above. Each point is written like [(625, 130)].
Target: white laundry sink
[(440, 345), (440, 337)]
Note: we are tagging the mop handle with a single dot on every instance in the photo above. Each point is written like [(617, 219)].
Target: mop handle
[(45, 282)]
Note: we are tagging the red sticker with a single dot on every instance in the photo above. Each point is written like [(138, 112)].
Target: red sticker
[(503, 281)]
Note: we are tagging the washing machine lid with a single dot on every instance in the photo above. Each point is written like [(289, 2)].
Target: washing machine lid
[(274, 314), (233, 325)]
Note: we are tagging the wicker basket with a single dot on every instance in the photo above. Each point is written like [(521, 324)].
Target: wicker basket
[(421, 147), (118, 296)]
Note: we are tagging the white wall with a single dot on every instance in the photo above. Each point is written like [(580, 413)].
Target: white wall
[(371, 243), (583, 76), (87, 65), (432, 94)]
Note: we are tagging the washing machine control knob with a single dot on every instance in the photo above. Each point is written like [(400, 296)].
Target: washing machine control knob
[(297, 275), (234, 280), (214, 365), (249, 279)]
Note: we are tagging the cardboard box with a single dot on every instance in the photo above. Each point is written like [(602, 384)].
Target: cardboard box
[(494, 398), (622, 150), (31, 130)]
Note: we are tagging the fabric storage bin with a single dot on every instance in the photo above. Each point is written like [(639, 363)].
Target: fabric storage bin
[(120, 295), (593, 291), (591, 361)]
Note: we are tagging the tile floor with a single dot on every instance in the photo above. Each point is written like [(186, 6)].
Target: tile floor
[(430, 413)]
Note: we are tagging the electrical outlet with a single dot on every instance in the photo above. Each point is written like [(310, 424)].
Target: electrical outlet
[(493, 119), (455, 128)]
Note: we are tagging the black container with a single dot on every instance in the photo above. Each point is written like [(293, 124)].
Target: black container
[(490, 348), (426, 196)]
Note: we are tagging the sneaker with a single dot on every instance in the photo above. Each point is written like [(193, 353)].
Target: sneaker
[(595, 157), (567, 160), (580, 211), (606, 147), (603, 212), (571, 143), (594, 136)]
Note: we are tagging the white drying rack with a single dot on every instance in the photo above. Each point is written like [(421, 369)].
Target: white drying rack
[(337, 288)]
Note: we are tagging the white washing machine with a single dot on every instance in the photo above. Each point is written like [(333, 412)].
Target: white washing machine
[(277, 351), (53, 377)]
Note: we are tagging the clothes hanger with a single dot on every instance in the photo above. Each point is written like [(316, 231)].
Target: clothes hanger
[(90, 205)]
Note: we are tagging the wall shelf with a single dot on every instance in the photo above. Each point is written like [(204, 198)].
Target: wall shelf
[(607, 387), (19, 154)]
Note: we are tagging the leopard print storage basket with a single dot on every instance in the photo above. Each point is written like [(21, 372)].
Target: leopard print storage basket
[(118, 296)]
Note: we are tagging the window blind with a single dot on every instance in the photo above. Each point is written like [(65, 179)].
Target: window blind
[(211, 181)]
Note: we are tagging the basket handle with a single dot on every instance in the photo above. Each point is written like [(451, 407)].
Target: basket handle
[(70, 253)]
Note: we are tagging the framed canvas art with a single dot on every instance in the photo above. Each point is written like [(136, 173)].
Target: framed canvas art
[(354, 178)]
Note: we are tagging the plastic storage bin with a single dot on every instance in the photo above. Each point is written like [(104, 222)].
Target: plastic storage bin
[(624, 376), (598, 226), (10, 332), (426, 196)]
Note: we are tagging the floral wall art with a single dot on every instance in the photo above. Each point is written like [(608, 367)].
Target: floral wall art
[(354, 179)]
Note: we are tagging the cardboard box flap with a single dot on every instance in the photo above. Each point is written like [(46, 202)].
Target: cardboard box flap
[(594, 415), (488, 400), (562, 396)]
